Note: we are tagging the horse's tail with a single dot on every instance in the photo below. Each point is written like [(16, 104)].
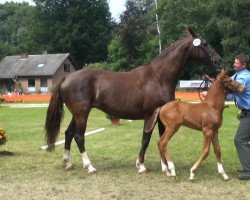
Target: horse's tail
[(54, 116)]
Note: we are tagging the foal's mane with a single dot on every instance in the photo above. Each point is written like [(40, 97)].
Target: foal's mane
[(171, 47)]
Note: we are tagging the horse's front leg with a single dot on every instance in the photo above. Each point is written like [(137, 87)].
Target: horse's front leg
[(217, 152), (149, 124), (69, 134)]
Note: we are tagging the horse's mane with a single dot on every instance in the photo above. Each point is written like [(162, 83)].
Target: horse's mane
[(171, 47)]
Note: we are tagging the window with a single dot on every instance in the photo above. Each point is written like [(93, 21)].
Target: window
[(40, 65), (31, 85), (44, 87), (66, 67)]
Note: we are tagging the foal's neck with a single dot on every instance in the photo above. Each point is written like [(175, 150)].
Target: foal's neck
[(216, 96)]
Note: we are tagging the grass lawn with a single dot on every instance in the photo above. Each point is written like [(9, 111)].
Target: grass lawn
[(31, 173)]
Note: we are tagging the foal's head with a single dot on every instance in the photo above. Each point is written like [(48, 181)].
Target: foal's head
[(229, 84), (202, 51)]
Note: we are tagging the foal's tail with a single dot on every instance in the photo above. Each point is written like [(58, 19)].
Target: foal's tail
[(54, 116)]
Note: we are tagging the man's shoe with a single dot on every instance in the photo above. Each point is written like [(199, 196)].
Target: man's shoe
[(244, 177)]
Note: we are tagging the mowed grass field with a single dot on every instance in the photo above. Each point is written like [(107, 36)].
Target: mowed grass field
[(31, 173)]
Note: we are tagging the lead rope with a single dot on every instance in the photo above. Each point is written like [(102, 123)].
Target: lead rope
[(205, 88)]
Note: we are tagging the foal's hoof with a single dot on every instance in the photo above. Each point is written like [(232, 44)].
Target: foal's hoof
[(170, 174), (226, 178)]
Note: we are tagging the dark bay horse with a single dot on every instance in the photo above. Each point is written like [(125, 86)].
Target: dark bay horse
[(129, 95), (205, 116)]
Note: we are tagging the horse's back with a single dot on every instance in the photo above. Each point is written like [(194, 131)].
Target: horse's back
[(117, 93)]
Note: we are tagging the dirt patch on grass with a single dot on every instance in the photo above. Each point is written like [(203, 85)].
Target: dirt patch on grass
[(6, 153)]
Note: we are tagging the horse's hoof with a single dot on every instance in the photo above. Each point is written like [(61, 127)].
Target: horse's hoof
[(69, 166), (141, 167), (91, 169), (92, 172), (144, 171)]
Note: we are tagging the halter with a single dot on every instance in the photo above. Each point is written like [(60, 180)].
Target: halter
[(205, 52), (207, 80), (230, 88)]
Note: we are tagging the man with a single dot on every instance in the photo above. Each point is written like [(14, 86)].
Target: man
[(242, 137)]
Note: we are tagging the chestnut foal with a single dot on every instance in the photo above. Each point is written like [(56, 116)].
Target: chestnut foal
[(205, 116)]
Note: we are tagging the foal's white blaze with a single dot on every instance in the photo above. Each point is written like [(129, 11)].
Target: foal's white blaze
[(221, 171), (140, 166), (86, 163), (66, 159)]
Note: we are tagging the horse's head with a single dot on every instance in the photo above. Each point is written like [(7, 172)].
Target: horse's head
[(202, 51), (230, 84)]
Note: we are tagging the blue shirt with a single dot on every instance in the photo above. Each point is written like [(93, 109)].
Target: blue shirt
[(243, 99)]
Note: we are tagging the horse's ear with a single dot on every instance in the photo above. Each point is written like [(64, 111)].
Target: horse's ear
[(192, 32)]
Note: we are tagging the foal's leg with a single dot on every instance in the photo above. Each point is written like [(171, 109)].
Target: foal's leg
[(69, 134), (217, 152), (80, 128), (208, 134), (162, 145), (161, 129)]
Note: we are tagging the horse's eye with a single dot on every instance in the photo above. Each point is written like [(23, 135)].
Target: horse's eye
[(205, 43)]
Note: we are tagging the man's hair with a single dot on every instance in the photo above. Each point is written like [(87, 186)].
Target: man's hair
[(244, 59)]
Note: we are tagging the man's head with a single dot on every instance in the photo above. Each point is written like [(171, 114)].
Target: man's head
[(241, 62)]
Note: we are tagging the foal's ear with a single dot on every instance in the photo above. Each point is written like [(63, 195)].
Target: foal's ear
[(223, 72), (192, 32)]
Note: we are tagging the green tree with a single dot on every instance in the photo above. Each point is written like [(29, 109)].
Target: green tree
[(16, 28), (232, 19), (136, 36), (177, 15), (82, 28)]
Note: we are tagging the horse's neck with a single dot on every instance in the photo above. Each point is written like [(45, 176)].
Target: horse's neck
[(216, 97), (170, 65)]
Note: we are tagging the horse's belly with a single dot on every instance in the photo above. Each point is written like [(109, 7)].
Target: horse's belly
[(122, 112)]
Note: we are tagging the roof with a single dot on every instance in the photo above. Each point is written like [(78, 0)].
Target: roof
[(12, 66)]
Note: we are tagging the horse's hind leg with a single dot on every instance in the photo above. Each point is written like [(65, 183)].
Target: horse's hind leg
[(144, 145), (69, 134), (149, 124), (80, 128), (217, 152)]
